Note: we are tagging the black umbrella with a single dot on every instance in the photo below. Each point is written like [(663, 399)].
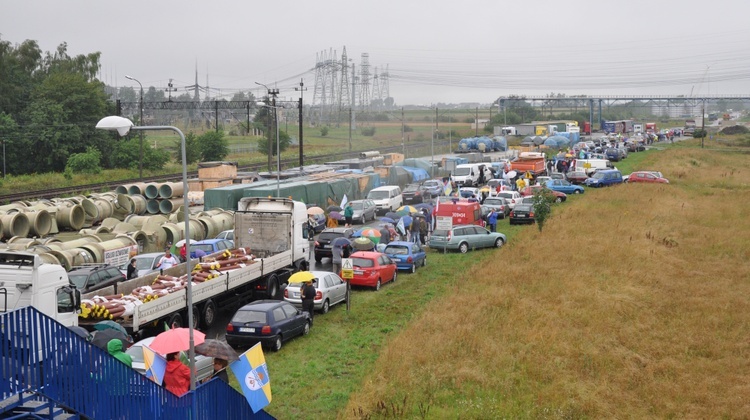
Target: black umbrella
[(333, 208), (101, 338), (80, 331), (218, 349), (392, 215)]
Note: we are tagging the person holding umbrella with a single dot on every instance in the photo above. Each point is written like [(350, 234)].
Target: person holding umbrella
[(220, 370), (177, 376), (307, 292)]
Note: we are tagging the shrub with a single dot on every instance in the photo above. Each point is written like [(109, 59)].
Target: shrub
[(85, 163), (324, 131), (368, 131)]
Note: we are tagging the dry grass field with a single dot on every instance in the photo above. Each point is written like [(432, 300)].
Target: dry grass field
[(634, 302)]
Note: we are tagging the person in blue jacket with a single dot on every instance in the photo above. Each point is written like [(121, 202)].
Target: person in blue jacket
[(492, 220)]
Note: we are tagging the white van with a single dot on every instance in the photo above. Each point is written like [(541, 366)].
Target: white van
[(591, 165), (471, 174), (386, 198)]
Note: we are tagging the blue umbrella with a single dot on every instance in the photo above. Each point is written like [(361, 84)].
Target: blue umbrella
[(392, 215), (423, 206), (387, 220), (407, 220), (357, 234)]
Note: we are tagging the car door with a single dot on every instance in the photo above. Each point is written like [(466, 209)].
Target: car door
[(336, 288), (386, 267), (418, 254), (295, 318), (483, 237), (286, 325)]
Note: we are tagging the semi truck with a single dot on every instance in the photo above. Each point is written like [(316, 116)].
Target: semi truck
[(272, 228)]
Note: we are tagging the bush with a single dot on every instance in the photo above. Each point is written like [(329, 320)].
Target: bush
[(85, 163), (408, 129), (699, 134), (735, 129), (213, 146), (324, 131), (368, 131)]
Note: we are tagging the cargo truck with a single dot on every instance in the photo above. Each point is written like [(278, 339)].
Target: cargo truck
[(530, 161), (272, 228)]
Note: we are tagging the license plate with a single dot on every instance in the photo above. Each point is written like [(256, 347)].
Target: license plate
[(295, 294), (247, 330), (326, 246), (358, 272), (520, 215)]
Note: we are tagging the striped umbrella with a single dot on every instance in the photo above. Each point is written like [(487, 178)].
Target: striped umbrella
[(372, 234)]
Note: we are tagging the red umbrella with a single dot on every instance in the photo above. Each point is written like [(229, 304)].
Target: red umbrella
[(176, 340)]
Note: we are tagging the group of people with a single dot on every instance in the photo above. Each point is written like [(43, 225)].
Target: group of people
[(177, 374)]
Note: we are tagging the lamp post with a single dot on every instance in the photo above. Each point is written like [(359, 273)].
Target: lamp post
[(123, 126), (278, 152), (140, 120)]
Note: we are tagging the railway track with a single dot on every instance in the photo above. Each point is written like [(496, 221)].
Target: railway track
[(256, 167)]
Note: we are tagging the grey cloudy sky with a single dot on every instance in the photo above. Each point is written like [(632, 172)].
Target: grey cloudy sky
[(436, 51)]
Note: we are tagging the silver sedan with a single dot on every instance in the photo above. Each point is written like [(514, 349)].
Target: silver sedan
[(329, 288)]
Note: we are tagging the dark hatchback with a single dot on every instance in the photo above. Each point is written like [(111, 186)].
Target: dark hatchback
[(415, 194), (269, 322), (323, 243), (95, 277), (523, 212)]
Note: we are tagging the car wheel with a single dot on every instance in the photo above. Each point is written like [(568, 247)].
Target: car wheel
[(326, 307), (463, 248), (499, 243), (395, 274), (577, 192), (306, 330), (377, 285), (363, 219), (558, 200), (277, 344), (318, 258), (413, 268), (424, 262)]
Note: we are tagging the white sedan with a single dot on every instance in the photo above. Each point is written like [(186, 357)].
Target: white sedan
[(512, 197)]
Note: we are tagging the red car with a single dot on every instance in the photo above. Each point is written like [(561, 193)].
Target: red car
[(529, 191), (648, 176), (372, 269)]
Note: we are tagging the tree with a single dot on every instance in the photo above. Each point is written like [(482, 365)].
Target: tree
[(85, 163), (213, 146), (543, 200), (126, 154), (192, 149), (284, 141), (700, 133)]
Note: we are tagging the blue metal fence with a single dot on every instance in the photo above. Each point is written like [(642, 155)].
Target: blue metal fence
[(41, 360)]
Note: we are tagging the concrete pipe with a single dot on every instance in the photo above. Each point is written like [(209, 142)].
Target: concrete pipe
[(167, 206), (110, 222), (51, 241), (141, 239), (104, 207), (152, 207), (174, 232), (171, 190), (122, 189), (123, 227), (16, 205), (209, 226), (48, 258), (137, 188), (70, 258), (121, 204), (40, 221), (141, 221), (197, 230), (90, 210), (138, 203), (224, 220), (151, 191), (70, 216), (15, 224), (75, 243), (22, 243)]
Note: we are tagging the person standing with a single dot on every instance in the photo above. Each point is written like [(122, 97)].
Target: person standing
[(492, 220), (220, 370), (132, 269), (177, 376), (167, 261), (308, 298), (423, 230), (348, 214), (414, 230), (114, 348)]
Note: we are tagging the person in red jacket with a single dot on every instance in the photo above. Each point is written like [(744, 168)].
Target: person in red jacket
[(177, 375)]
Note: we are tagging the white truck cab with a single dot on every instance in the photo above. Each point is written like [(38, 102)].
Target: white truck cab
[(26, 280)]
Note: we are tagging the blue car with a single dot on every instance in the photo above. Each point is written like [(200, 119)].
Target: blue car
[(406, 255), (210, 246), (564, 186), (605, 178), (269, 322)]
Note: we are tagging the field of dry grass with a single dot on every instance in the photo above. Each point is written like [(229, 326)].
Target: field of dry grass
[(634, 302)]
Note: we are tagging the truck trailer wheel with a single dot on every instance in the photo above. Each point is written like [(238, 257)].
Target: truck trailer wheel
[(196, 317), (209, 314), (175, 321), (272, 287)]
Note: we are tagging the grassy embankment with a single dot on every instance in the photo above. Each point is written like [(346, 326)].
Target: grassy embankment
[(633, 302)]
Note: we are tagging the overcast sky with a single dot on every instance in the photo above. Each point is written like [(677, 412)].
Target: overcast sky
[(436, 51)]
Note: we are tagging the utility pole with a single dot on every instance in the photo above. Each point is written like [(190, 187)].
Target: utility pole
[(403, 129), (703, 121), (352, 116), (476, 123), (140, 106), (301, 89), (271, 93)]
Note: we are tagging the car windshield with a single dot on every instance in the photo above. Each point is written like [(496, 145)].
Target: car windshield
[(598, 175), (431, 184), (249, 316), (397, 250), (357, 205), (207, 248), (79, 280), (363, 262), (462, 171), (329, 236), (411, 188), (378, 195), (505, 195), (494, 202), (144, 263)]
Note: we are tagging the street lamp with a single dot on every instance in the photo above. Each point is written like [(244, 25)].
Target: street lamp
[(140, 119), (278, 153), (123, 126)]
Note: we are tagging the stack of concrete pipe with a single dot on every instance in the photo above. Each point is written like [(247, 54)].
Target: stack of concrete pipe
[(83, 250), (163, 198)]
